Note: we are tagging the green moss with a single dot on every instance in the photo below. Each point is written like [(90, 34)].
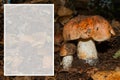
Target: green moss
[(117, 54)]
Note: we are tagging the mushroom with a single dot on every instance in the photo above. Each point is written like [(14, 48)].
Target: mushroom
[(67, 50), (87, 51), (86, 29)]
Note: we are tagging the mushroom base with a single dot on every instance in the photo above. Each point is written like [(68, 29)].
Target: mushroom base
[(91, 61), (67, 62), (86, 50)]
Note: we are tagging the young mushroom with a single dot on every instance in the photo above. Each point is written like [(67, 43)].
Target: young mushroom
[(67, 50), (86, 30)]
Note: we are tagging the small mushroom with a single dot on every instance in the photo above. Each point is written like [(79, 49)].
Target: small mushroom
[(67, 50), (87, 29)]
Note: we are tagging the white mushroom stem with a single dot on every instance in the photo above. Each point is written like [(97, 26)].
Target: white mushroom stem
[(67, 62), (86, 50)]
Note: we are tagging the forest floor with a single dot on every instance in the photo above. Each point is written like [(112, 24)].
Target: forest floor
[(79, 70)]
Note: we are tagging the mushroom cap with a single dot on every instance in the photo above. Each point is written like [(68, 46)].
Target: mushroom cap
[(67, 49), (95, 27)]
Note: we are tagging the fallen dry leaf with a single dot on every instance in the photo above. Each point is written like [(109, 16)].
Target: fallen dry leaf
[(56, 48), (106, 75), (63, 11), (36, 1), (50, 78), (58, 38), (64, 20), (22, 78)]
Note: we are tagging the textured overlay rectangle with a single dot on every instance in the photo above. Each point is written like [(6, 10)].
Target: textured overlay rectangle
[(28, 39)]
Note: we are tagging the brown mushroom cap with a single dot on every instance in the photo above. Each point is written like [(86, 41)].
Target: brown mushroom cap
[(95, 27), (67, 49)]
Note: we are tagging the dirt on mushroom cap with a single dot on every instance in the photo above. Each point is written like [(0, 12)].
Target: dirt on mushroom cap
[(95, 27)]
